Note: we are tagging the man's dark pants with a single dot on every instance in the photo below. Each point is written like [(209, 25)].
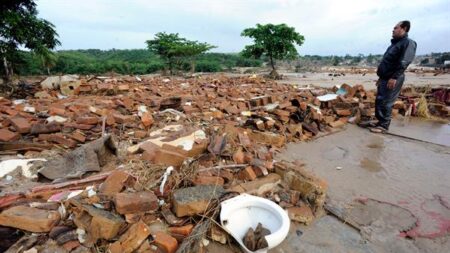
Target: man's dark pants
[(385, 101)]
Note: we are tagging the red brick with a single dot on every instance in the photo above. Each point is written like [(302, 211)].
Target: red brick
[(121, 119), (6, 135), (87, 120), (123, 87), (268, 138), (70, 245), (217, 114), (301, 214), (140, 134), (135, 202), (147, 119), (208, 180), (167, 157), (57, 111), (116, 182), (78, 136), (195, 200), (132, 239), (343, 112), (20, 124), (41, 128), (183, 230), (110, 120), (11, 112), (282, 113), (238, 157), (166, 242), (247, 174), (60, 139), (79, 126), (232, 109), (29, 219), (105, 86), (337, 123)]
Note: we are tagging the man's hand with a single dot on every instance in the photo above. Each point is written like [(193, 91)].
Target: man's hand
[(391, 83)]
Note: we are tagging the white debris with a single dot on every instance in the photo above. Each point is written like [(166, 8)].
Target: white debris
[(9, 166), (56, 118), (327, 97), (164, 179), (28, 108)]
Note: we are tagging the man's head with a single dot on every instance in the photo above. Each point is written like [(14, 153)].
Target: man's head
[(401, 29)]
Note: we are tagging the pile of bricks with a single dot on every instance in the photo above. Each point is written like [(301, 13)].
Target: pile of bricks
[(218, 135)]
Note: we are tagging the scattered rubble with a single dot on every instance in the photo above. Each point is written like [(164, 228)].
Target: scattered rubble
[(122, 165)]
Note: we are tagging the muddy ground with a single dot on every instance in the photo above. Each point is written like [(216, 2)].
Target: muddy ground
[(403, 182), (367, 80)]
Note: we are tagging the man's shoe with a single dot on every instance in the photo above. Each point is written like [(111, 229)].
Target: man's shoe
[(378, 130), (368, 124)]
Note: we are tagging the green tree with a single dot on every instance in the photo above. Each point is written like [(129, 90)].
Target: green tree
[(20, 27), (172, 49), (47, 57), (191, 49), (277, 42)]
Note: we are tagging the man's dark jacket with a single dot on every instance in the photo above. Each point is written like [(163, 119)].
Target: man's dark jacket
[(398, 56)]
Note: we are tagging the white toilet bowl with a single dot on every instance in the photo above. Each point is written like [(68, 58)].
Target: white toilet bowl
[(240, 213)]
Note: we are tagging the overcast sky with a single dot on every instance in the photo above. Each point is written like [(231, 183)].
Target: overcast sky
[(330, 27)]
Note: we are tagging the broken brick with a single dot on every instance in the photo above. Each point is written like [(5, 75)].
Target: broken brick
[(247, 174), (166, 242), (337, 123), (20, 124), (268, 138), (60, 139), (147, 119), (116, 182), (140, 134), (183, 230), (6, 135), (301, 214), (343, 112), (121, 119), (258, 185), (41, 128), (167, 157), (194, 200), (98, 223), (132, 239), (78, 136), (135, 202), (29, 219), (87, 120)]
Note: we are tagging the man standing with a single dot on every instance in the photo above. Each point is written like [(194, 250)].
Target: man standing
[(391, 75)]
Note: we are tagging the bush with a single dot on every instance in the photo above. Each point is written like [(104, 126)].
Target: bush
[(208, 66)]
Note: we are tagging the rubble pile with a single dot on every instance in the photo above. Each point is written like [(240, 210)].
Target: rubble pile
[(141, 165)]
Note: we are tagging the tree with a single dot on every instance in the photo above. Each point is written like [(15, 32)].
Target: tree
[(47, 57), (277, 42), (191, 49), (172, 48), (20, 27)]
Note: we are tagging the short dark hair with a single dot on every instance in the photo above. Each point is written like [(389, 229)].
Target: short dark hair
[(405, 24)]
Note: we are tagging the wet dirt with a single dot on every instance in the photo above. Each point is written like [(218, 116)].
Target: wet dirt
[(424, 130), (322, 79), (406, 173)]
